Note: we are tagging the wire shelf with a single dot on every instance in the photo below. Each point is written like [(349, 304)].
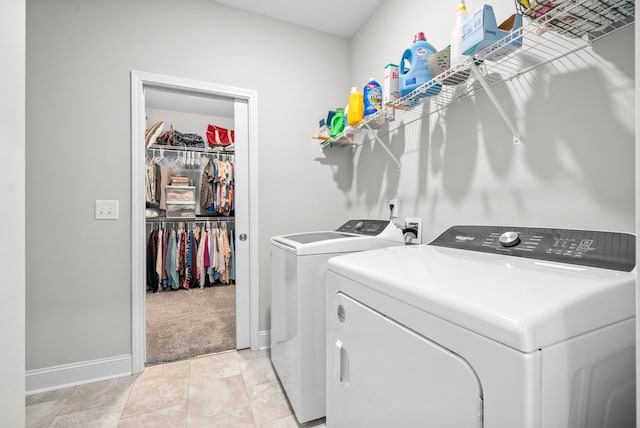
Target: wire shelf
[(593, 18), (548, 34), (211, 149)]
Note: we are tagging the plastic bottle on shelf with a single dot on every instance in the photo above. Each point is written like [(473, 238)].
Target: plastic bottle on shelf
[(372, 97), (337, 123), (456, 35), (414, 68), (356, 107)]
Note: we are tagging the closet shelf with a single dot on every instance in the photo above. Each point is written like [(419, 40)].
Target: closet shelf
[(181, 202), (221, 150), (566, 29)]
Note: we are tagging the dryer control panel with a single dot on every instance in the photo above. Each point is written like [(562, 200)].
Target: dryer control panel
[(608, 250)]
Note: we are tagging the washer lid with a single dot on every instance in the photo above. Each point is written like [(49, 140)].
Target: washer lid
[(354, 235), (307, 238), (524, 303)]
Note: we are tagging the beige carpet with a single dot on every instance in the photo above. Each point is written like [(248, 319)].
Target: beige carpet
[(182, 324)]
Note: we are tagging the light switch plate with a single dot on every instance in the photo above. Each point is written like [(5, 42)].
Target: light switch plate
[(107, 210)]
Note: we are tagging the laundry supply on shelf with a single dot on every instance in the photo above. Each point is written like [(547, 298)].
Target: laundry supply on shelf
[(356, 107), (414, 68), (337, 122), (390, 88), (372, 94), (456, 36), (391, 84), (481, 31), (439, 62)]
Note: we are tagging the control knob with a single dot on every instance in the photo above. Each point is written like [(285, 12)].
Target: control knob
[(509, 239)]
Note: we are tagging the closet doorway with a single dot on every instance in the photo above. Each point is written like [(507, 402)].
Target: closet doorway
[(151, 93)]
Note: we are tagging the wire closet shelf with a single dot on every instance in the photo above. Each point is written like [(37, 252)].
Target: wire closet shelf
[(547, 34), (227, 150)]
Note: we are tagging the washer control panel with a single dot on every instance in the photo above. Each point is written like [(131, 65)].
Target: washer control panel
[(509, 239), (608, 250), (364, 227)]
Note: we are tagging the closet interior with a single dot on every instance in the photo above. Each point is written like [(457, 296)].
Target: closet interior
[(190, 225)]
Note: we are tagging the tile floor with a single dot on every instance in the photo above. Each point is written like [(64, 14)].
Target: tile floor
[(233, 389)]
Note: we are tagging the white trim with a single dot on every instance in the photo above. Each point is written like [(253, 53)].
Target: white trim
[(637, 146), (140, 81), (242, 227), (66, 375), (138, 330), (254, 254), (265, 340)]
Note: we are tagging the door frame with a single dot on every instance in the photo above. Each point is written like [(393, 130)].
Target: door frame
[(246, 182)]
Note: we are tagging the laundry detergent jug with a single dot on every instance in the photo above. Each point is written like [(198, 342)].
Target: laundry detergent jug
[(414, 67)]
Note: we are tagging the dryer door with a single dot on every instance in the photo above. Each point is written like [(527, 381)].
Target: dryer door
[(381, 374)]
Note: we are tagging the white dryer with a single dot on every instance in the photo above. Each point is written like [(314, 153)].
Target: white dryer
[(484, 327), (298, 271)]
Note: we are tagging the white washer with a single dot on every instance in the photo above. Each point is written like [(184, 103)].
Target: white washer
[(484, 327), (298, 271)]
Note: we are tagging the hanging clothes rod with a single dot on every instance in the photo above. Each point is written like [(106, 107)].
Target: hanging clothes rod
[(190, 220), (228, 150)]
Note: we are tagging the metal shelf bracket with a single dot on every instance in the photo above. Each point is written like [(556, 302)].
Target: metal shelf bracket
[(517, 138), (384, 146)]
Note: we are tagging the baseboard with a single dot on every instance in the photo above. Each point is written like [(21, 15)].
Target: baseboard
[(66, 375), (264, 339)]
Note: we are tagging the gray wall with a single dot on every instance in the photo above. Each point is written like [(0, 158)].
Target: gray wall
[(12, 191), (79, 56), (575, 168)]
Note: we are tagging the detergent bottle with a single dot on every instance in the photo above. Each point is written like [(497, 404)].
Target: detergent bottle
[(337, 123), (456, 35), (356, 107), (372, 97), (414, 69)]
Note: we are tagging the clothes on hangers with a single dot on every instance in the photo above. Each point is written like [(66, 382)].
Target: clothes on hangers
[(232, 263), (159, 256), (165, 178), (157, 175), (217, 187), (153, 279), (207, 186), (171, 265), (150, 184), (190, 255)]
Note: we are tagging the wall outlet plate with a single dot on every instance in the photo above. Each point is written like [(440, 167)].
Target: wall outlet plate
[(414, 223)]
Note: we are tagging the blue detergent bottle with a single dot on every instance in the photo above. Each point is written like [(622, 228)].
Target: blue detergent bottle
[(414, 68), (372, 97)]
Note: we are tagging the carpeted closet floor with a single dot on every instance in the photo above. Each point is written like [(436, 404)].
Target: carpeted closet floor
[(183, 324)]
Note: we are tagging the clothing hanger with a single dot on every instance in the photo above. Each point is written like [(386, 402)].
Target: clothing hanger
[(160, 159)]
